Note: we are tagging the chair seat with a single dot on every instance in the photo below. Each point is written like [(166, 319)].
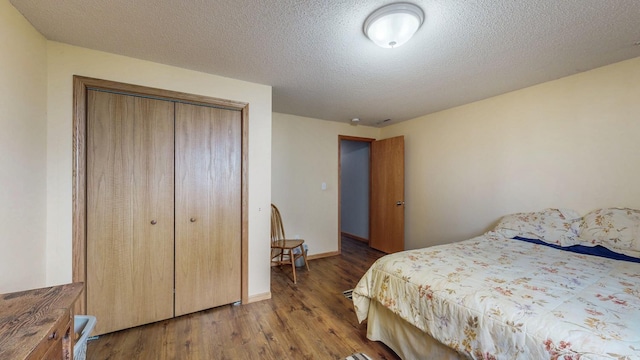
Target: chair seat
[(287, 244)]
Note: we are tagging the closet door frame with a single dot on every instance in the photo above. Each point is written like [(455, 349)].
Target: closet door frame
[(79, 178)]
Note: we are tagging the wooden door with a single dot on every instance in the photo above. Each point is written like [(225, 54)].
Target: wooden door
[(208, 207), (387, 195), (129, 210)]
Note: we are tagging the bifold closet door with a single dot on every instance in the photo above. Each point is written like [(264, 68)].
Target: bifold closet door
[(130, 210), (208, 207)]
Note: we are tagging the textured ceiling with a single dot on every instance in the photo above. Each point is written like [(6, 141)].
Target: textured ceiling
[(321, 65)]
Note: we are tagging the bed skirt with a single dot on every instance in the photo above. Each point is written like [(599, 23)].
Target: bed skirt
[(406, 340)]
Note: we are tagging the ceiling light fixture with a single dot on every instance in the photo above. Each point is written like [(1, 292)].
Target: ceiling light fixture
[(393, 25)]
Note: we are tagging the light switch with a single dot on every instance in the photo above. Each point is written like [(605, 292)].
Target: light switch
[(324, 186)]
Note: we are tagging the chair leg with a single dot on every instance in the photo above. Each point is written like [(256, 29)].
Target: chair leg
[(293, 265), (304, 255)]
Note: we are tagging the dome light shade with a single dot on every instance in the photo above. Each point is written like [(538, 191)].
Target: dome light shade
[(393, 25)]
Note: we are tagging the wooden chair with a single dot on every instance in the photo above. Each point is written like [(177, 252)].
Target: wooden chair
[(281, 247)]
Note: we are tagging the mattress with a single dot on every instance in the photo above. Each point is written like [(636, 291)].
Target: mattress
[(492, 297)]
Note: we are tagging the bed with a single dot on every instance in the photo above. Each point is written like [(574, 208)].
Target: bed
[(543, 285)]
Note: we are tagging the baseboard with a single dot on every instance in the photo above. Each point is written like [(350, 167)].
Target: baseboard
[(354, 237), (323, 255), (259, 297)]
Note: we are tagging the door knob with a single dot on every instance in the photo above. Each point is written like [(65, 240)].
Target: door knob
[(153, 222), (399, 203), (192, 219)]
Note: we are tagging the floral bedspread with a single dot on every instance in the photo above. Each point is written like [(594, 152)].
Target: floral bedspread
[(496, 298)]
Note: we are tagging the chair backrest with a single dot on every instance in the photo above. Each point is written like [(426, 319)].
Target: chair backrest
[(277, 229)]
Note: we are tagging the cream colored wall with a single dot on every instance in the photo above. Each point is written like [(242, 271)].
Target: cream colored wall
[(304, 155), (64, 61), (572, 143), (23, 149)]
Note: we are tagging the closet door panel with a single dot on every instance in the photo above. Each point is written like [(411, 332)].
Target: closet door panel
[(130, 189), (208, 207)]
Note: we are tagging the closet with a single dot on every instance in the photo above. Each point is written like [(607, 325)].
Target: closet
[(163, 208)]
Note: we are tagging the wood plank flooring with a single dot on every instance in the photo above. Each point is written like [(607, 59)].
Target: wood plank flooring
[(309, 320)]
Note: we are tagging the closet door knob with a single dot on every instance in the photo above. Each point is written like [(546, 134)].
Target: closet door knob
[(192, 219), (153, 222)]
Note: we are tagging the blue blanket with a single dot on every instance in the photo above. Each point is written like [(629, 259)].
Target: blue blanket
[(597, 250)]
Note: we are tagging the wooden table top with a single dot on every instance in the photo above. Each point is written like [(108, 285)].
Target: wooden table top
[(26, 317)]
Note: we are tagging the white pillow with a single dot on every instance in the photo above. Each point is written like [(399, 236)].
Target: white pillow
[(616, 229), (554, 226)]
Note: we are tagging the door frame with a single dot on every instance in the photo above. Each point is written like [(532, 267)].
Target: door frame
[(79, 177), (350, 138)]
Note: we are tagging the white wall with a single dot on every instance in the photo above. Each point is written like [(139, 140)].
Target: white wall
[(304, 155), (572, 143), (23, 80), (64, 61)]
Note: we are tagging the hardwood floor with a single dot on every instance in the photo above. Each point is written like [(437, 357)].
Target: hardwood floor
[(310, 320)]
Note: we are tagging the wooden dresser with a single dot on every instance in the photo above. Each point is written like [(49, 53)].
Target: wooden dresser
[(38, 324)]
